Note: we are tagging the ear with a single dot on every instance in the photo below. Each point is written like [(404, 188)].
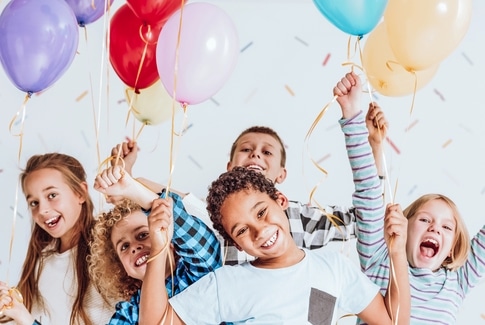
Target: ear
[(282, 176), (228, 166), (282, 200), (82, 197)]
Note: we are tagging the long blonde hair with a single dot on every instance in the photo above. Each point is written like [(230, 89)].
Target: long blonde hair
[(461, 242), (40, 241)]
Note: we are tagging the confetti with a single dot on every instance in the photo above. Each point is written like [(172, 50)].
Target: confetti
[(83, 94), (214, 101), (195, 162), (289, 90), (393, 146), (467, 58), (250, 96), (447, 143), (325, 61), (245, 47), (410, 126), (440, 95), (323, 158), (301, 41)]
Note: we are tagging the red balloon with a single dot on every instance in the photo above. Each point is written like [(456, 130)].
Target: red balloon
[(154, 11), (128, 38)]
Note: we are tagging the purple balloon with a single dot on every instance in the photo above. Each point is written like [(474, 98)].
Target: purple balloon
[(38, 42), (88, 11)]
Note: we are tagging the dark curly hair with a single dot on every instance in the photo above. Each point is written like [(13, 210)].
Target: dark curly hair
[(231, 182)]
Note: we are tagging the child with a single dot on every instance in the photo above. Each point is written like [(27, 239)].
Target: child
[(54, 282), (284, 284), (441, 269), (122, 246), (260, 148)]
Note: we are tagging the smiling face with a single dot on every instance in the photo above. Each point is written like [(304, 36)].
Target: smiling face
[(260, 152), (54, 206), (131, 241), (258, 225), (431, 234)]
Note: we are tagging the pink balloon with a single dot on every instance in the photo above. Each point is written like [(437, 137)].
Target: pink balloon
[(207, 52)]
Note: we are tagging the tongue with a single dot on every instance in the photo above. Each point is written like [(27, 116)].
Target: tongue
[(426, 251)]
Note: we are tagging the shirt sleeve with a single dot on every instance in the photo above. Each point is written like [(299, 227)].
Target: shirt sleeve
[(367, 197), (195, 244)]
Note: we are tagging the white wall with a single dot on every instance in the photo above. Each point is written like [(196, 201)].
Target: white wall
[(285, 44)]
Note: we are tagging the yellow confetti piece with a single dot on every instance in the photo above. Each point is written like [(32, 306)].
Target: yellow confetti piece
[(289, 90), (446, 143), (83, 94)]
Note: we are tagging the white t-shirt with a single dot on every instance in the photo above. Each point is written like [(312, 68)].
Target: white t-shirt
[(310, 292), (58, 288)]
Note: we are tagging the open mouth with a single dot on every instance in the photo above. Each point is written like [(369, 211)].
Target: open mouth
[(270, 242), (141, 260), (429, 247), (52, 222), (255, 168)]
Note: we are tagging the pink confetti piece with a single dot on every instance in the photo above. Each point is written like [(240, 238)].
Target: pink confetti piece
[(325, 61), (324, 158), (410, 126), (393, 145)]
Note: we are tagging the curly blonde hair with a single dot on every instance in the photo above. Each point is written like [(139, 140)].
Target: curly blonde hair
[(105, 267)]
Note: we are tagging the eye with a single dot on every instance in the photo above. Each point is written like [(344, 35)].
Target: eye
[(267, 153), (124, 247), (448, 228), (261, 213), (241, 231), (142, 235), (245, 149), (52, 195), (424, 220), (33, 204)]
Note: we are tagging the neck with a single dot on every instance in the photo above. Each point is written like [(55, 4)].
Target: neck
[(290, 259)]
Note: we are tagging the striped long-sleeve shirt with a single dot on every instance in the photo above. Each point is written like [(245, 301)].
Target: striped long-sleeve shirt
[(436, 296)]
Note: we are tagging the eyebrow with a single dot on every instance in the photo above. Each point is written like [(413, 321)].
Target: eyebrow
[(255, 206), (28, 196)]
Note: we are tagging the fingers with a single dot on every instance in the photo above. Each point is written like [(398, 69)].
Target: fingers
[(377, 116), (161, 214), (108, 177), (345, 85), (395, 223)]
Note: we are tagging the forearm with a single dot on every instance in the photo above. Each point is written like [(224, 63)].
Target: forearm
[(154, 298), (398, 296)]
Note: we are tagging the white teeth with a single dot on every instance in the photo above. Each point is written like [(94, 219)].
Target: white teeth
[(256, 167), (434, 242), (52, 221), (141, 260), (271, 241)]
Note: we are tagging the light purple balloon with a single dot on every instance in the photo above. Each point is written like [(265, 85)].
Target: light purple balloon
[(38, 42), (207, 53), (86, 13)]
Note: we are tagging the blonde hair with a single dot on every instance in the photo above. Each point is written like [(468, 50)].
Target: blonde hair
[(42, 244), (105, 267), (461, 243)]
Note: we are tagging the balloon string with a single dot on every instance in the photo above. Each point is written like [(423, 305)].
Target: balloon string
[(332, 218), (394, 318), (95, 114), (145, 48), (21, 112), (174, 96)]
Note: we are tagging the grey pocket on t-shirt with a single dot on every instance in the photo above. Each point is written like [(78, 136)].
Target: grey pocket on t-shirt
[(321, 307)]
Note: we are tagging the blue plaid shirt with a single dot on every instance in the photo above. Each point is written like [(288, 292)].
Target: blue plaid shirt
[(199, 252)]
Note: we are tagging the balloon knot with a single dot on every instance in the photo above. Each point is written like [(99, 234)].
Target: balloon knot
[(29, 94), (82, 24), (137, 91)]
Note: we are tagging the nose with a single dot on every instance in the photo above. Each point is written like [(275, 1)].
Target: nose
[(434, 228), (136, 248), (44, 208), (255, 154)]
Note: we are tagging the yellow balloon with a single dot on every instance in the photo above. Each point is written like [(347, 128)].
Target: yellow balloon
[(384, 73), (424, 32), (153, 105)]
